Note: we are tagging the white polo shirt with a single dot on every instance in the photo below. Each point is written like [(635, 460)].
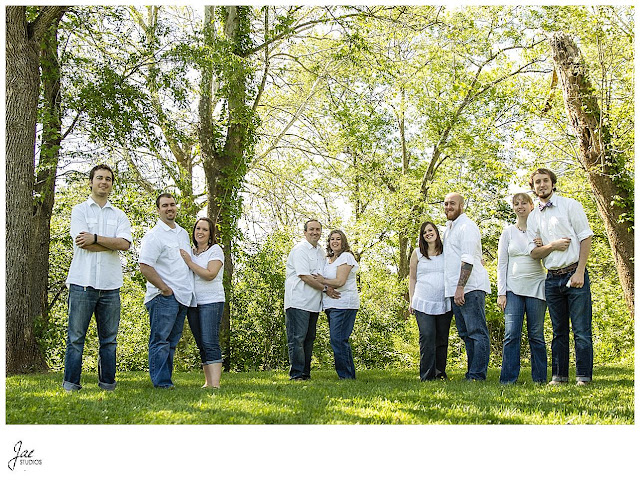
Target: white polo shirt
[(161, 250), (462, 243), (304, 259), (565, 218), (100, 270)]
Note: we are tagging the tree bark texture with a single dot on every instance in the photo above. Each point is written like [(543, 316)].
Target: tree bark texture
[(225, 165), (604, 170), (22, 90)]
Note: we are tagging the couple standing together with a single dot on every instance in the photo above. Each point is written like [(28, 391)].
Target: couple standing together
[(181, 282), (449, 279)]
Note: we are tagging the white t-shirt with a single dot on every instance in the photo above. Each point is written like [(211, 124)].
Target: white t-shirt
[(462, 243), (349, 298), (304, 259), (517, 271), (161, 250), (428, 296), (100, 270), (209, 291), (565, 218)]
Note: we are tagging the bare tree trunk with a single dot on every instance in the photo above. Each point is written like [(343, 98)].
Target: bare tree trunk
[(46, 173), (22, 90), (605, 170)]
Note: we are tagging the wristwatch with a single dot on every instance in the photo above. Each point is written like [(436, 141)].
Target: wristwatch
[(324, 290)]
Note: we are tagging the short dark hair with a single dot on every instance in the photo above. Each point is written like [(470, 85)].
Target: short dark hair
[(212, 231), (422, 243), (309, 221), (544, 171), (102, 166), (163, 195), (344, 243)]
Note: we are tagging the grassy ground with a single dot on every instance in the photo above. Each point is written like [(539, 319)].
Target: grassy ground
[(376, 397)]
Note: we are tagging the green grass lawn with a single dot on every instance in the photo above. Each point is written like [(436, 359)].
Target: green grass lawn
[(376, 397)]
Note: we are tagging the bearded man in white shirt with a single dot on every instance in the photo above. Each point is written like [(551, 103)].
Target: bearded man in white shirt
[(566, 242), (303, 299), (99, 231), (170, 288), (467, 282)]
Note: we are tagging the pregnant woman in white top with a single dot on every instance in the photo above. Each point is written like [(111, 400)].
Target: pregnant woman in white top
[(206, 262), (340, 273), (428, 302), (520, 291)]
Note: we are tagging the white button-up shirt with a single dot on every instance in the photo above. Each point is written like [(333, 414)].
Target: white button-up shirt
[(100, 270), (304, 259), (565, 218), (462, 243), (161, 250)]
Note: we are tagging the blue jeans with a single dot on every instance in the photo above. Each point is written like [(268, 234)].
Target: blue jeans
[(434, 341), (83, 303), (517, 306), (166, 316), (471, 323), (204, 321), (341, 323), (301, 333), (575, 303)]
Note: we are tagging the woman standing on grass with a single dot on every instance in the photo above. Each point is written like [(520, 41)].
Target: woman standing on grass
[(339, 272), (206, 260), (428, 302), (520, 291)]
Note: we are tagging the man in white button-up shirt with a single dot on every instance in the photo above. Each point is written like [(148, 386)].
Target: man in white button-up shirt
[(99, 231), (170, 288), (566, 242), (467, 281), (303, 299)]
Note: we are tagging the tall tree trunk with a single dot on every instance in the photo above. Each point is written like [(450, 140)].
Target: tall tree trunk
[(605, 169), (46, 172), (22, 90), (225, 166)]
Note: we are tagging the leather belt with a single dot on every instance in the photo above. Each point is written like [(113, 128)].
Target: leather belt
[(564, 270)]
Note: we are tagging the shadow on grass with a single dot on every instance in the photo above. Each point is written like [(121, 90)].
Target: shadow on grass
[(376, 397)]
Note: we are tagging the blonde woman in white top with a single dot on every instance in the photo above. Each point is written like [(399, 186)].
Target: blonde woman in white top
[(428, 302), (206, 260), (339, 272), (521, 290)]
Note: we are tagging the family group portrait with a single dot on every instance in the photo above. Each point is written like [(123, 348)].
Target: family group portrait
[(378, 220)]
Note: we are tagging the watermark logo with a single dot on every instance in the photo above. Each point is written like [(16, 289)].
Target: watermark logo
[(23, 457)]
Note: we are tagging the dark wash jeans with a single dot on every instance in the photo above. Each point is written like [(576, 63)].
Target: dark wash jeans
[(566, 303), (517, 306), (471, 323), (204, 322), (83, 303), (434, 341), (166, 316), (301, 333), (341, 321)]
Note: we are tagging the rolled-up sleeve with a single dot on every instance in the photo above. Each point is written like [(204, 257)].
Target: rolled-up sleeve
[(470, 241), (579, 221)]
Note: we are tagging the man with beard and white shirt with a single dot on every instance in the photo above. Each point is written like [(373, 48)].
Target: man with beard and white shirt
[(170, 288), (303, 299), (566, 242), (467, 281)]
